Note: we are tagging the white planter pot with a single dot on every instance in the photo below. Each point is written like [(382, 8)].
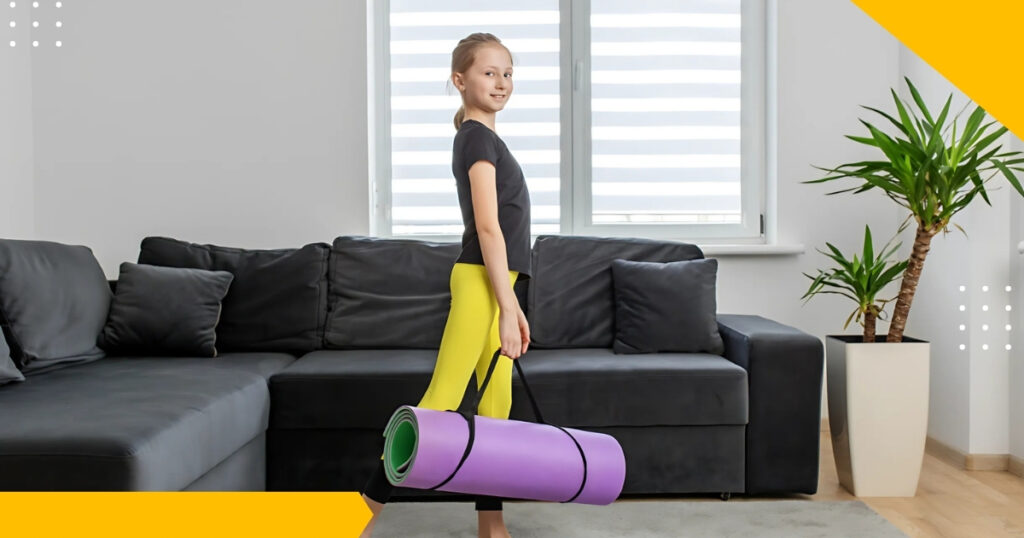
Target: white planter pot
[(878, 413)]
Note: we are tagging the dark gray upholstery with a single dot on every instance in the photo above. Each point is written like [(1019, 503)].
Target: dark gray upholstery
[(571, 298), (127, 423), (54, 300), (245, 470), (743, 422), (784, 368), (573, 387), (277, 301), (399, 284)]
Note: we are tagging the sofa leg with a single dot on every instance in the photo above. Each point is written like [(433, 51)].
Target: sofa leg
[(725, 495)]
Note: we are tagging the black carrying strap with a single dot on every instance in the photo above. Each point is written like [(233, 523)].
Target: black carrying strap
[(468, 412)]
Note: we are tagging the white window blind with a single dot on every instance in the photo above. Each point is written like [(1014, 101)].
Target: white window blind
[(422, 106), (665, 111), (642, 118)]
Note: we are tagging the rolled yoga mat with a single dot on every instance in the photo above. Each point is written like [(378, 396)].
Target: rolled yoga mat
[(443, 450)]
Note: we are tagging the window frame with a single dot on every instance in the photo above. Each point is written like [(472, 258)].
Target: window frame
[(757, 119)]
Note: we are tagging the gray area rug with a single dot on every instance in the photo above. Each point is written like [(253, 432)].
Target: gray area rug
[(746, 519)]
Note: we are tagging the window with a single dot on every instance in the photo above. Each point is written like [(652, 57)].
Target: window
[(643, 118)]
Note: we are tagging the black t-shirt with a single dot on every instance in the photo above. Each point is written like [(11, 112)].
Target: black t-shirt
[(476, 141)]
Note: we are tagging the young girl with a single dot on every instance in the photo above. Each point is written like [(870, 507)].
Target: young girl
[(485, 313)]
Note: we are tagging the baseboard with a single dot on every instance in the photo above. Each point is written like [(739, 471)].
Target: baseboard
[(945, 453), (960, 460), (1017, 466)]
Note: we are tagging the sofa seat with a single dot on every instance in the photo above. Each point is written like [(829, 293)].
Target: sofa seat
[(586, 387), (132, 423)]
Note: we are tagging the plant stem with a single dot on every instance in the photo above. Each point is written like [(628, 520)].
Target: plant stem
[(869, 326), (922, 244)]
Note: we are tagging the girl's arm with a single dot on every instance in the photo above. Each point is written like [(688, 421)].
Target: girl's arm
[(483, 180)]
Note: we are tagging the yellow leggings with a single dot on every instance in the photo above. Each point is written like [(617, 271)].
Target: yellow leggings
[(471, 336)]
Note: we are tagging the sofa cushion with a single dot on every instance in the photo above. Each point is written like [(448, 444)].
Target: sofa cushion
[(392, 293), (277, 301), (54, 300), (165, 310), (132, 423), (389, 293), (571, 298), (665, 307), (573, 387), (8, 371)]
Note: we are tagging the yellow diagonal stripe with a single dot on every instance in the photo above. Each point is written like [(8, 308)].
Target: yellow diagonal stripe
[(182, 514), (977, 45)]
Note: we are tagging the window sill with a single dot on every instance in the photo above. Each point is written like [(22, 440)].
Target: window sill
[(751, 250)]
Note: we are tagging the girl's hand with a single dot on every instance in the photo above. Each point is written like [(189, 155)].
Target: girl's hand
[(511, 337)]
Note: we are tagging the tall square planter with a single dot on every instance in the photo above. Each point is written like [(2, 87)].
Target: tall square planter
[(878, 413)]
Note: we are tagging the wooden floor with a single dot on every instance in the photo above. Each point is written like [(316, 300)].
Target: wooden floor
[(950, 502)]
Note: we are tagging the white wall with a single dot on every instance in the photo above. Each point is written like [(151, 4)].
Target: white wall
[(234, 122), (244, 124), (16, 196), (1016, 366), (971, 389)]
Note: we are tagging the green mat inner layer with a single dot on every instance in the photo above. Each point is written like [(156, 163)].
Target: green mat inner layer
[(399, 444)]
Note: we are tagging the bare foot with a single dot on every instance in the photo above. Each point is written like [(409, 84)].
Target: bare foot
[(375, 507), (491, 524)]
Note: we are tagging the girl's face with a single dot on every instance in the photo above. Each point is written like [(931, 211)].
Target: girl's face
[(487, 85)]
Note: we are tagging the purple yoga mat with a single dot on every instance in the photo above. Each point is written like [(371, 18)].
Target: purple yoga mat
[(508, 458)]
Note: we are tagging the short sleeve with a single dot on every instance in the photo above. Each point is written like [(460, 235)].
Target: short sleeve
[(478, 145)]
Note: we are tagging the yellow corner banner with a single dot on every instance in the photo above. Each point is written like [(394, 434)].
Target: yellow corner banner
[(182, 514), (976, 45)]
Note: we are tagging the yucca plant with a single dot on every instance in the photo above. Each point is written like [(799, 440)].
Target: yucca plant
[(932, 172), (861, 280)]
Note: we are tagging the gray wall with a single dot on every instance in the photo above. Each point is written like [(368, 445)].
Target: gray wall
[(233, 122), (16, 188)]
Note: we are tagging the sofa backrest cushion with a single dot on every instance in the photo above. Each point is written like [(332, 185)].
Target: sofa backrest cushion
[(389, 293), (277, 300), (54, 300), (8, 371), (571, 296)]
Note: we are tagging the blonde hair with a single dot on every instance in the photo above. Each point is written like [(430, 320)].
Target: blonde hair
[(463, 57)]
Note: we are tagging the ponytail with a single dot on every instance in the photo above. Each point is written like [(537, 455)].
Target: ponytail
[(459, 116)]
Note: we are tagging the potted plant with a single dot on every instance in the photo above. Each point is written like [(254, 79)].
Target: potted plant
[(878, 391)]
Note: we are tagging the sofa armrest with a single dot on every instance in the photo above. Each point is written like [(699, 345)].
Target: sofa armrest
[(784, 374)]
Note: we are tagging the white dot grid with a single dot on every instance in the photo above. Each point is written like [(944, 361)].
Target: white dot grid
[(984, 326), (35, 24)]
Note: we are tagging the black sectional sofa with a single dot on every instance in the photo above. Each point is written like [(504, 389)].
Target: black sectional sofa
[(318, 345)]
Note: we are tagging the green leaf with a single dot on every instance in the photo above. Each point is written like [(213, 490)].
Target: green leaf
[(918, 100), (1009, 176), (869, 253)]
